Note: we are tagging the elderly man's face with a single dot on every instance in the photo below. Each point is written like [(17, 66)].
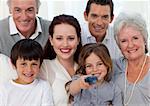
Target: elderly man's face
[(24, 13)]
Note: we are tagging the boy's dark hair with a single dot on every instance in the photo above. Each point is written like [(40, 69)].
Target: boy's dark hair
[(26, 49), (49, 52), (100, 2)]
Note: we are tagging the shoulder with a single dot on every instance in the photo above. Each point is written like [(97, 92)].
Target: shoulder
[(44, 21), (4, 23), (43, 83), (5, 20), (2, 56), (48, 62)]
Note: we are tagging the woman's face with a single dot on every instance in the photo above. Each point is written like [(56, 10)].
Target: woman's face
[(131, 43), (64, 41), (94, 65)]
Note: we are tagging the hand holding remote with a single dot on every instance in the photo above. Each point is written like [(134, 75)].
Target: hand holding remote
[(91, 79)]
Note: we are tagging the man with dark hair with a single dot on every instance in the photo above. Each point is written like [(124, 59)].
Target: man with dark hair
[(99, 15)]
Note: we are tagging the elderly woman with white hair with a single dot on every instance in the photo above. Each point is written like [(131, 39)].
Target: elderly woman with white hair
[(131, 36)]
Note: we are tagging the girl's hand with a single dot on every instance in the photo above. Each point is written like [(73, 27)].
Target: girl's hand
[(82, 83)]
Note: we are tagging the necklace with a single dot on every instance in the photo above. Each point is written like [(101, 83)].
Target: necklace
[(132, 90)]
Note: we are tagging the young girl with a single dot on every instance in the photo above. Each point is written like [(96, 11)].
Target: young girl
[(26, 89), (98, 90)]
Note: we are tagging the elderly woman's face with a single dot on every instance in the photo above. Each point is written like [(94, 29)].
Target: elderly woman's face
[(131, 43)]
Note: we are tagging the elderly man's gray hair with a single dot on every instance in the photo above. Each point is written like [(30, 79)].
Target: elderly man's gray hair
[(38, 3)]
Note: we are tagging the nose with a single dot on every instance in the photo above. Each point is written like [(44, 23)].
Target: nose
[(24, 15), (29, 68), (130, 44), (65, 42), (94, 68), (99, 20)]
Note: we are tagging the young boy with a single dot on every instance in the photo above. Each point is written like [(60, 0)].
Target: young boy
[(26, 89)]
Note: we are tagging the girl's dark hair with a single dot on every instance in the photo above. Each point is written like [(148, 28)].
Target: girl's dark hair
[(28, 50), (101, 51), (49, 52)]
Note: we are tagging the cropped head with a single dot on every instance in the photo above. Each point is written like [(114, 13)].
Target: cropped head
[(24, 15), (100, 2), (101, 57), (26, 49), (99, 14), (38, 3), (65, 37), (136, 24)]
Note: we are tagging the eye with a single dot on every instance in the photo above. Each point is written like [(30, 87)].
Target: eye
[(123, 41), (100, 63), (135, 37), (59, 38), (88, 65), (30, 10), (94, 16), (35, 64), (17, 10), (23, 64), (105, 17), (71, 38)]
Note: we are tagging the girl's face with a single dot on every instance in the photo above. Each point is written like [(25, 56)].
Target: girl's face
[(64, 41), (94, 65), (27, 70), (131, 43)]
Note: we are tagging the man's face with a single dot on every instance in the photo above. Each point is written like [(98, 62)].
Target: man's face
[(98, 20), (24, 13)]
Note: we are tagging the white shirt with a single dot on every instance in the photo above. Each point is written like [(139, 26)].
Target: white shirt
[(38, 93), (109, 40), (14, 30), (57, 76)]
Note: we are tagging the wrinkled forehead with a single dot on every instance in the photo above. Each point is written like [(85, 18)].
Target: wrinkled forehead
[(23, 3)]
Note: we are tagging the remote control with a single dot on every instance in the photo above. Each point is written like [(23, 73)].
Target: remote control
[(91, 79)]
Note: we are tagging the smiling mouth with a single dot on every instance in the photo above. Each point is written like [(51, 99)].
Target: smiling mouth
[(28, 75), (65, 50)]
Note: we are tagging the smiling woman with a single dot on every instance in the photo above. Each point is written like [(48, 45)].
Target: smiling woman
[(131, 36)]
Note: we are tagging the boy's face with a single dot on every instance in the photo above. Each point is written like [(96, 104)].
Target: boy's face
[(27, 70)]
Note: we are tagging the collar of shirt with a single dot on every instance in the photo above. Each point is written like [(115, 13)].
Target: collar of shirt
[(14, 30)]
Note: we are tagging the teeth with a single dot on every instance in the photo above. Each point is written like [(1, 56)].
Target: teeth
[(28, 75), (132, 51), (65, 50), (24, 22), (98, 29)]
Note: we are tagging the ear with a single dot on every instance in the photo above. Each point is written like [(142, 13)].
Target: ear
[(79, 40), (12, 65), (51, 40), (85, 16), (10, 11), (112, 18)]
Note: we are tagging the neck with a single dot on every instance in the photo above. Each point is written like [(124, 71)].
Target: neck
[(100, 39), (68, 65), (136, 63)]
